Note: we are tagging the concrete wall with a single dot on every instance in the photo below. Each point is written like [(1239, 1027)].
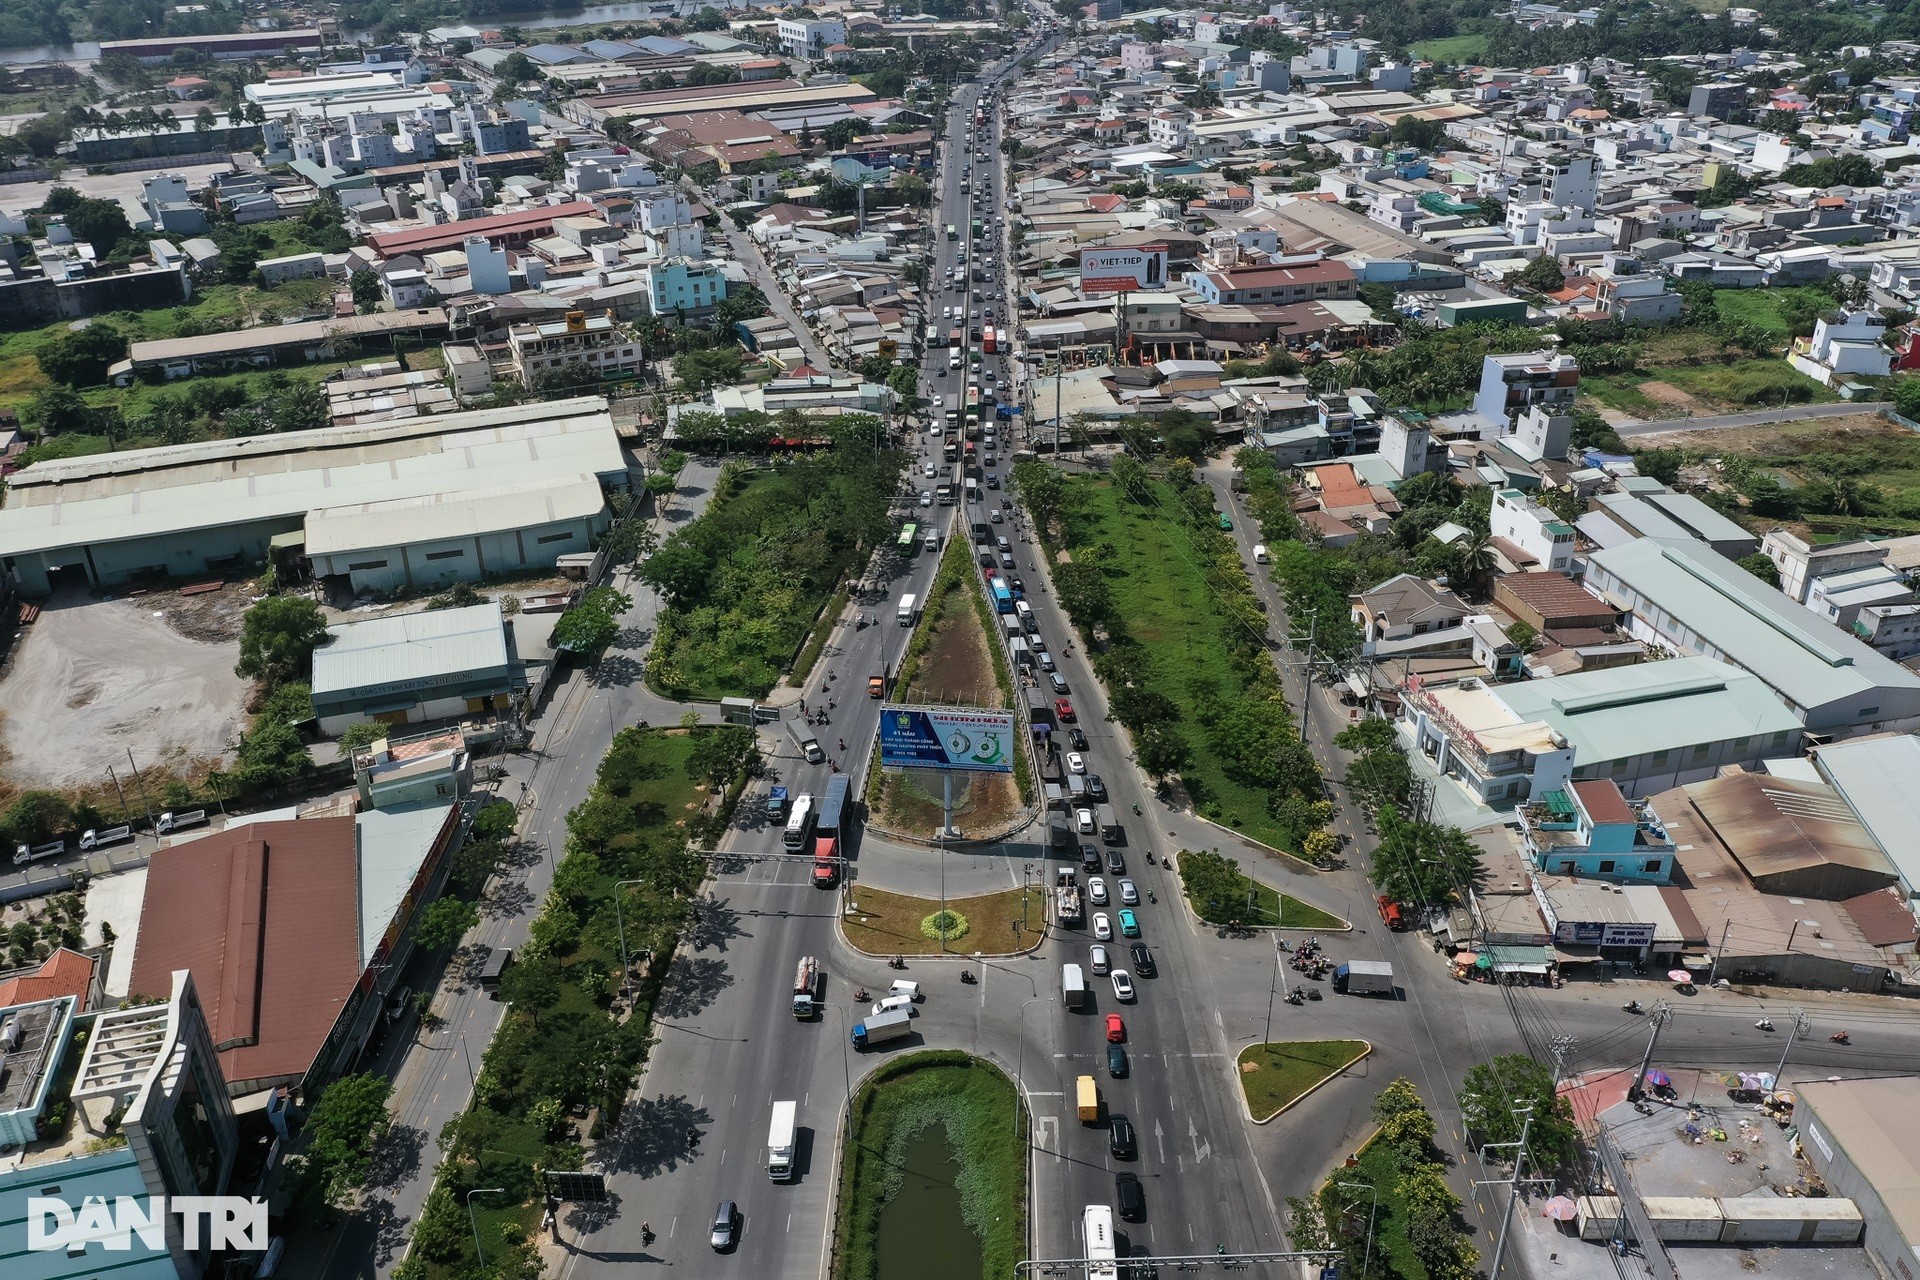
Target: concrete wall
[(185, 555), (1884, 1239), (426, 565)]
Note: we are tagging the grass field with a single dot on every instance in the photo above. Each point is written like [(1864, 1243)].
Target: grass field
[(1452, 50), (1775, 310), (981, 1113), (1155, 574), (1682, 390), (1273, 1075), (889, 923)]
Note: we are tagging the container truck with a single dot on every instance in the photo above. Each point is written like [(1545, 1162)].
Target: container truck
[(909, 609), (1086, 1092), (780, 1141), (806, 987), (1364, 978), (803, 738), (895, 1024), (1111, 832)]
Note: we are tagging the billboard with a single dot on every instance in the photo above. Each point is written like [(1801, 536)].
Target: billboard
[(962, 738), (1122, 270)]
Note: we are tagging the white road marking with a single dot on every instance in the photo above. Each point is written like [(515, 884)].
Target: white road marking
[(1201, 1149), (1160, 1136), (673, 1226), (1042, 1127)]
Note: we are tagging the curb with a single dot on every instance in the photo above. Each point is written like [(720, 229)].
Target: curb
[(1336, 1074)]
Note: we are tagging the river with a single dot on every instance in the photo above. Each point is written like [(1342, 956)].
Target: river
[(921, 1234)]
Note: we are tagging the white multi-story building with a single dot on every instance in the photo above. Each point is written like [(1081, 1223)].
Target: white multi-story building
[(1845, 348), (808, 38), (1534, 529), (680, 286), (603, 346)]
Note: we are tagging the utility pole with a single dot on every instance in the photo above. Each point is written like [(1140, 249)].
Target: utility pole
[(1800, 1025), (1638, 1090), (1306, 672), (1513, 1185)]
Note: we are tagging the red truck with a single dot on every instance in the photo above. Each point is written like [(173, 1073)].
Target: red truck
[(826, 867)]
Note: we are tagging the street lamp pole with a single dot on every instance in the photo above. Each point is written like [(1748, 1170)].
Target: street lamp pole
[(475, 1222), (1366, 1265), (626, 963), (1267, 1039)]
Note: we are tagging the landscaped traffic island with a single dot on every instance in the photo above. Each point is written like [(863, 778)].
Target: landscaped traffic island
[(933, 1181), (1274, 1076)]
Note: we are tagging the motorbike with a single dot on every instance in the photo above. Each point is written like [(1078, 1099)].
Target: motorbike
[(966, 976), (1840, 1037), (1294, 997), (860, 996), (1631, 1006), (1765, 1024), (1313, 993), (895, 962), (1151, 897), (1136, 811)]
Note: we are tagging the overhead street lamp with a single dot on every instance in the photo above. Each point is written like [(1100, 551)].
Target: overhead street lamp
[(626, 963), (1368, 1263), (475, 1222)]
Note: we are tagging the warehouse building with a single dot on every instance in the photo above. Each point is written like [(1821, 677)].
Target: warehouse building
[(382, 507), (1850, 1142), (434, 665)]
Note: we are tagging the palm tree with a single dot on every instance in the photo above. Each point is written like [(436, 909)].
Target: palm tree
[(1475, 559)]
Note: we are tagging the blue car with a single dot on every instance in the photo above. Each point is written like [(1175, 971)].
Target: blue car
[(1129, 927)]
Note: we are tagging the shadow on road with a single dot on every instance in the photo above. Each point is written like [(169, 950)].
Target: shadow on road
[(715, 923), (694, 984), (397, 1157), (619, 670), (653, 1136)]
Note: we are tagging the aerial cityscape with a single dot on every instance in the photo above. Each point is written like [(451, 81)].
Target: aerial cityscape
[(1291, 633)]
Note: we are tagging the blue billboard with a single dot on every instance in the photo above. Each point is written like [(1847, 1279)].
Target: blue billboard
[(976, 741)]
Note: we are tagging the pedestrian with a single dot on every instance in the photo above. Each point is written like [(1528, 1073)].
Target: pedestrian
[(843, 744)]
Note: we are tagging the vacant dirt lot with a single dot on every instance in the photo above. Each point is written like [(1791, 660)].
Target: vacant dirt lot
[(1799, 436), (93, 679)]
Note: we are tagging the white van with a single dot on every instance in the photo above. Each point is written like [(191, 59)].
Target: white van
[(1260, 554), (887, 1004), (931, 542), (903, 987)]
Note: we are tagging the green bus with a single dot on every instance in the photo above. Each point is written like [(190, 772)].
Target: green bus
[(953, 232), (909, 539), (976, 228)]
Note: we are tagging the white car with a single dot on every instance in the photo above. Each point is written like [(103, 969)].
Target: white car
[(931, 471), (1097, 958), (1102, 927), (1122, 985), (1097, 891), (926, 498), (1083, 821), (1076, 763), (1129, 893)]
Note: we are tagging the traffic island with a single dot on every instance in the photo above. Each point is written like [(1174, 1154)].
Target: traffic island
[(996, 924), (1276, 1076), (934, 1168), (1224, 896)]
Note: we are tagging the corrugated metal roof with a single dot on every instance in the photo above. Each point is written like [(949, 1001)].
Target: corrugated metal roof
[(439, 516), (411, 646), (153, 492)]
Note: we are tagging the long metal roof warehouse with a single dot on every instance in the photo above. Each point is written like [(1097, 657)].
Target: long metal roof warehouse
[(491, 491)]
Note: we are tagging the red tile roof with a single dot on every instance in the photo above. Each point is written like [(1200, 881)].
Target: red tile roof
[(64, 973), (451, 235), (266, 916)]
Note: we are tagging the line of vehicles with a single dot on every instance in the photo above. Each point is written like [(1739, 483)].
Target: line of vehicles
[(105, 837)]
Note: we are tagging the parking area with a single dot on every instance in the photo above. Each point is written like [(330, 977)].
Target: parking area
[(95, 679)]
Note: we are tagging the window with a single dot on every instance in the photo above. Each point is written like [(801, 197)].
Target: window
[(1619, 767), (1660, 757), (1653, 865), (1700, 752), (1869, 711), (1605, 868), (363, 565), (554, 537), (445, 555)]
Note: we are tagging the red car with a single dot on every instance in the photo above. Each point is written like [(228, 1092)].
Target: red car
[(1116, 1029), (1064, 709)]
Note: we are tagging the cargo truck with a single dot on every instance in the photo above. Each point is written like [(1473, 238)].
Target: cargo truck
[(780, 1141), (100, 837), (806, 987), (1364, 978), (179, 821), (24, 853), (909, 609), (1111, 831), (895, 1024), (1074, 993), (1066, 897), (777, 804), (1086, 1093), (803, 738)]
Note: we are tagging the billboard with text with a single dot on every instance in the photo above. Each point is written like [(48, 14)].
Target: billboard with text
[(976, 740), (1122, 270)]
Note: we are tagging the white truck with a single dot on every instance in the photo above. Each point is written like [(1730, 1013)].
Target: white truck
[(909, 609), (171, 821), (24, 854), (1364, 978), (100, 837), (780, 1141), (803, 738)]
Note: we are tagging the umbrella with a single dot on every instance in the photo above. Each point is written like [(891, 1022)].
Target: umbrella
[(1561, 1209), (1659, 1079), (1679, 975), (1784, 1096)]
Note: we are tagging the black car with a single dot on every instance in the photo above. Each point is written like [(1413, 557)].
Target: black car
[(993, 482), (1013, 579), (1120, 1137), (1076, 738), (1090, 857), (1116, 1060), (1130, 1196), (1142, 960), (1096, 788), (1116, 865)]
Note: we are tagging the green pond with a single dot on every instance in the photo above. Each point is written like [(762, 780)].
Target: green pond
[(921, 1233)]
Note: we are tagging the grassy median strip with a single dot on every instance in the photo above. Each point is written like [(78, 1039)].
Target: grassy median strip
[(881, 923), (1221, 894), (985, 1133), (1274, 1076)]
